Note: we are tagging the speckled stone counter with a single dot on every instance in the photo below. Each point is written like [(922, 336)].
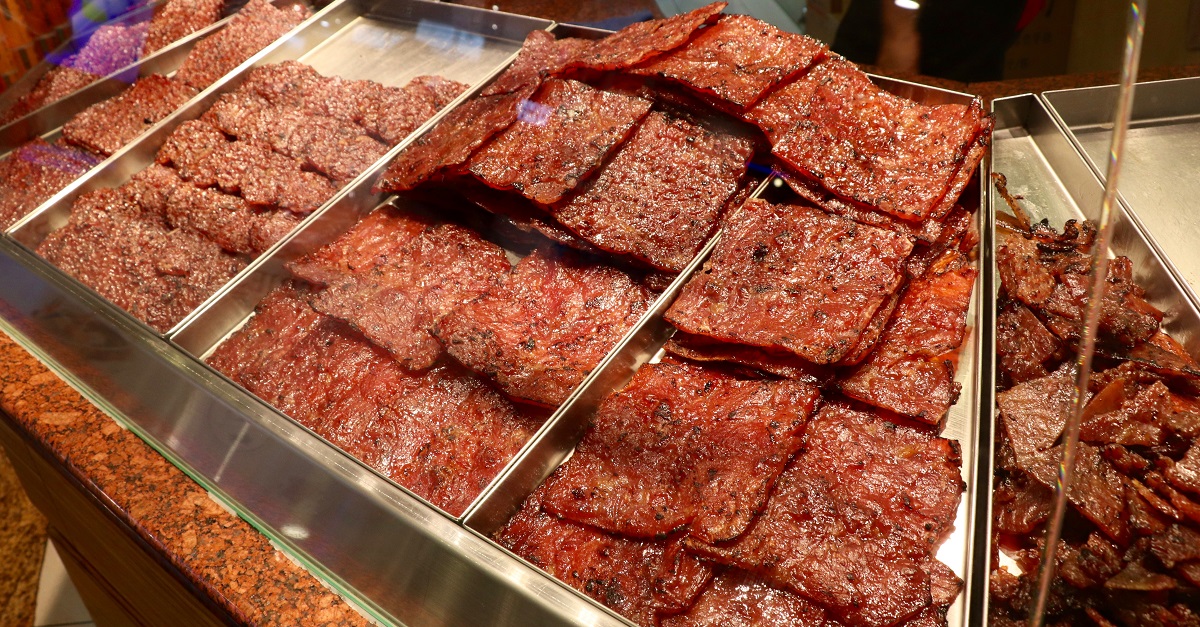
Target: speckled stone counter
[(229, 566)]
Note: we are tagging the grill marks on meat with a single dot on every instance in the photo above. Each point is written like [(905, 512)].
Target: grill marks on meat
[(397, 299), (443, 433), (792, 278), (252, 29), (644, 40), (844, 137), (638, 579), (559, 137), (854, 518), (661, 195), (682, 448), (736, 60), (106, 126), (909, 372), (551, 322), (35, 171), (135, 260)]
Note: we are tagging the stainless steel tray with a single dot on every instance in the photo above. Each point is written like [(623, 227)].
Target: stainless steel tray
[(373, 542), (343, 39), (1162, 152), (1042, 164)]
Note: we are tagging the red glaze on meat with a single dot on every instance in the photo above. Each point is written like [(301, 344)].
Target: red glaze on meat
[(925, 232), (559, 138), (1024, 346), (682, 447), (638, 579), (541, 56), (844, 137), (792, 278), (1033, 413), (909, 372), (550, 323), (853, 520), (786, 365), (641, 41), (661, 195), (377, 237), (107, 126), (736, 60), (736, 598)]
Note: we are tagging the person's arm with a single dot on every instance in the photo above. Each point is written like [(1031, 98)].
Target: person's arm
[(900, 43)]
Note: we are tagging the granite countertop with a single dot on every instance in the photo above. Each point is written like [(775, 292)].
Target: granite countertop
[(224, 556)]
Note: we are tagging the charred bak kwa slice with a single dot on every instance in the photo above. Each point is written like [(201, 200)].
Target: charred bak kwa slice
[(661, 195), (853, 520), (398, 299), (642, 41), (736, 60), (792, 278), (846, 138), (559, 138), (682, 448), (909, 372), (540, 333), (443, 433), (638, 579)]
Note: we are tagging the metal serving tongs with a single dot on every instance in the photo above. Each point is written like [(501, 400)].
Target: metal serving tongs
[(1066, 469)]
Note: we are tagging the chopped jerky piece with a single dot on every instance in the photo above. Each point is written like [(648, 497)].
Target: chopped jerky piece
[(155, 273), (1097, 491), (736, 598), (682, 447), (1126, 318), (1112, 418), (547, 327), (785, 365), (1024, 347), (524, 217), (909, 372), (262, 177), (853, 519), (1176, 544), (1034, 412), (845, 137), (107, 126), (1159, 354), (641, 41), (561, 135), (928, 231), (443, 434), (792, 278), (541, 56), (188, 146), (397, 301), (35, 171), (635, 578), (252, 29), (454, 139), (736, 60), (377, 237), (178, 19), (660, 197), (1185, 473), (1019, 505)]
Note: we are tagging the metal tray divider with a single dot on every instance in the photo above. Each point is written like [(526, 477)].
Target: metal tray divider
[(140, 152), (1080, 187), (1148, 97), (49, 119)]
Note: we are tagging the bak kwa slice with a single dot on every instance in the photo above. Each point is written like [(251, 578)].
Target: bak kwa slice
[(369, 243), (254, 27), (661, 195), (785, 365), (541, 57), (551, 322), (847, 137), (792, 278), (736, 60), (35, 171), (909, 371), (641, 41), (559, 138), (107, 126), (854, 519), (638, 579), (398, 300), (682, 448)]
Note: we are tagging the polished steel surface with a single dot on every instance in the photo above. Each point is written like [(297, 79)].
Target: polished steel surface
[(47, 121), (1162, 151), (1055, 183)]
